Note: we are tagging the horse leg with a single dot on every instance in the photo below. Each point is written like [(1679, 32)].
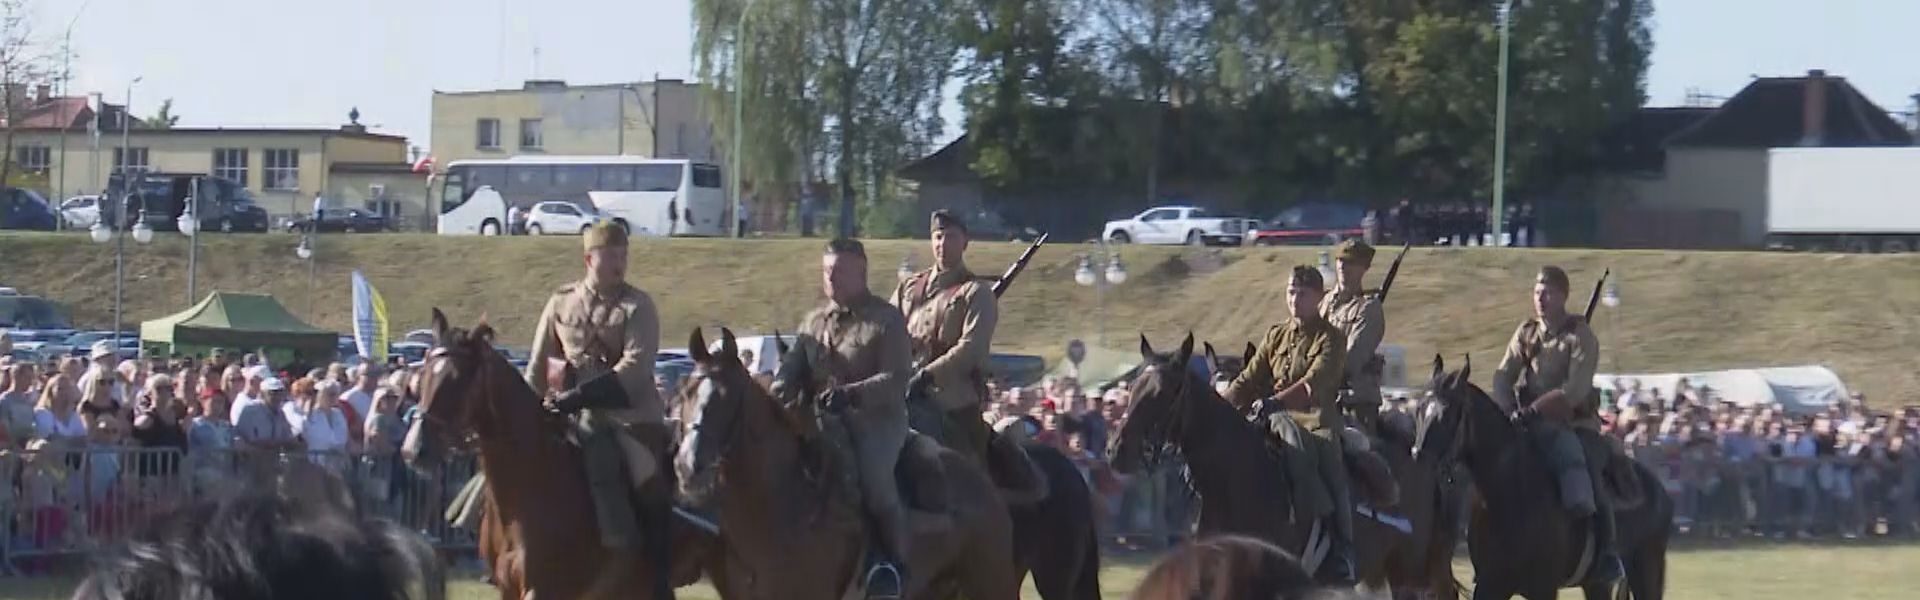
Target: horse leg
[(1487, 592), (1647, 572)]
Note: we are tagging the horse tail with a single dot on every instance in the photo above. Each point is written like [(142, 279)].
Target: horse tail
[(1087, 581)]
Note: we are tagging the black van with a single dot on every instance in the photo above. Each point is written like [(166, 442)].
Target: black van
[(23, 209), (222, 204)]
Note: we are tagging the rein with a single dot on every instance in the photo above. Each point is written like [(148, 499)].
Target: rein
[(1159, 437)]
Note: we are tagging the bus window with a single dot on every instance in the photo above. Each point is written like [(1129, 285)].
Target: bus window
[(529, 181), (658, 178), (616, 178), (486, 175), (453, 192), (706, 176), (574, 180)]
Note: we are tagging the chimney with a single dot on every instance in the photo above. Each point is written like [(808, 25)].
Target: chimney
[(42, 93), (1813, 115)]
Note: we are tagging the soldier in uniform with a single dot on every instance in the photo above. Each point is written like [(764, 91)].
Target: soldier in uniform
[(951, 314), (1295, 376), (607, 331), (1358, 315), (1548, 374), (867, 361)]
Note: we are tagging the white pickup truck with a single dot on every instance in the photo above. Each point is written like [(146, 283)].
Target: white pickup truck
[(1176, 225)]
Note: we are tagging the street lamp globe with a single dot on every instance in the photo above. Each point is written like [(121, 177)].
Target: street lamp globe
[(1611, 297), (100, 233), (906, 267), (142, 233), (1084, 275), (303, 250), (189, 224), (1116, 273)]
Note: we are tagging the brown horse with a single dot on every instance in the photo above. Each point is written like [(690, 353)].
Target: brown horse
[(538, 531), (791, 531), (1395, 547), (1520, 540)]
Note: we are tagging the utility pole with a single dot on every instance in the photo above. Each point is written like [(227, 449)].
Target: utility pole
[(1498, 214), (66, 118)]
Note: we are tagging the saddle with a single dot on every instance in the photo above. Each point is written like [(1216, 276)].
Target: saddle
[(1369, 476), (919, 473)]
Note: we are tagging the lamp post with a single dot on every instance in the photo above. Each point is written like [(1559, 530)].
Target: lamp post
[(189, 223), (1108, 271), (126, 135), (305, 252), (66, 118), (1610, 297), (1498, 213), (739, 94), (102, 234)]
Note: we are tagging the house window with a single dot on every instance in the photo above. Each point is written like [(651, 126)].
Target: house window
[(487, 136), (231, 164), (282, 169), (531, 136), (35, 159), (125, 159)]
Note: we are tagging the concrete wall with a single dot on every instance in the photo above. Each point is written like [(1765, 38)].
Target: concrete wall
[(1712, 179), (590, 120)]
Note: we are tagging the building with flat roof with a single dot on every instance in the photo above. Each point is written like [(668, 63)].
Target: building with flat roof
[(664, 118)]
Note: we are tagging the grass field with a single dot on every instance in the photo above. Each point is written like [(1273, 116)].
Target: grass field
[(1680, 311), (1784, 572)]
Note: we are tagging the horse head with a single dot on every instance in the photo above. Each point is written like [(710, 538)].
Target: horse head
[(463, 365), (1152, 418), (1460, 418), (728, 408)]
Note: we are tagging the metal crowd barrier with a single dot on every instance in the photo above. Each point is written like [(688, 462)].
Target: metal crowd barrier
[(68, 502)]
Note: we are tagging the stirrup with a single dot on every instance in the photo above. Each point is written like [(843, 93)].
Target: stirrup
[(884, 582)]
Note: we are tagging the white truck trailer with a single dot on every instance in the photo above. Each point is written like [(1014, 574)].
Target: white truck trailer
[(1844, 199)]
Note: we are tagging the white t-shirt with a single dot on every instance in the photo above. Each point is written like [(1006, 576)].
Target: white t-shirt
[(46, 425), (240, 401), (324, 430), (296, 416), (362, 402)]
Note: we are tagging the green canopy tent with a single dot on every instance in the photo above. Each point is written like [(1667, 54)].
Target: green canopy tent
[(242, 322)]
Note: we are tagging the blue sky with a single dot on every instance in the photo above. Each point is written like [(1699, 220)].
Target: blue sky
[(307, 62)]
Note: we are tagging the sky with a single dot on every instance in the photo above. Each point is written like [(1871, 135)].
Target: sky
[(252, 63)]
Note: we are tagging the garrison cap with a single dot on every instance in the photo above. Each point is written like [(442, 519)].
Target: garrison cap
[(945, 219), (1308, 276), (1354, 250), (604, 233)]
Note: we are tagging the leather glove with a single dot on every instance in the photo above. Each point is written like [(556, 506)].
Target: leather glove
[(1520, 417), (567, 402), (921, 382), (836, 400)]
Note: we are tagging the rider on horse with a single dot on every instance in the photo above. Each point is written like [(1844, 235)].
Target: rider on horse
[(1297, 369), (867, 362), (1358, 314), (1547, 374), (596, 339), (951, 315)]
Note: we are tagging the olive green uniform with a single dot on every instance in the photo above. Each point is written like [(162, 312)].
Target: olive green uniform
[(951, 316), (1362, 321), (1314, 351), (867, 356)]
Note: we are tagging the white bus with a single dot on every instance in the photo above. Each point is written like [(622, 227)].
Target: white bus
[(654, 197)]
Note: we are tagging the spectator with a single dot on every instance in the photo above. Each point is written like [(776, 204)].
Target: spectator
[(158, 424), (57, 418), (211, 431), (104, 359), (1227, 567), (16, 406), (250, 391), (384, 429), (186, 381), (357, 403), (323, 426), (97, 399), (263, 425)]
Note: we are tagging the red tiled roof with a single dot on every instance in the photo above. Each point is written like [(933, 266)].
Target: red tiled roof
[(49, 115)]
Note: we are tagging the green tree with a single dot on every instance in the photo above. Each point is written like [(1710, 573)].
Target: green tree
[(847, 87), (164, 118), (23, 64)]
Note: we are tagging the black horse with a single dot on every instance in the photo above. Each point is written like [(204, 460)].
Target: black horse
[(1519, 538)]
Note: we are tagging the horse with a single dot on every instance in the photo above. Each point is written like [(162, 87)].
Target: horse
[(1519, 538), (1237, 473), (537, 533), (1396, 551), (792, 534)]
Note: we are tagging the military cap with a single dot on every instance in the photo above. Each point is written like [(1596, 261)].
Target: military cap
[(945, 219), (604, 233), (1354, 250), (1308, 276)]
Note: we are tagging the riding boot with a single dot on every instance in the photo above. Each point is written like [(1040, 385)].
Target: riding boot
[(1339, 567), (607, 481), (656, 510), (1013, 471), (886, 577), (1606, 566)]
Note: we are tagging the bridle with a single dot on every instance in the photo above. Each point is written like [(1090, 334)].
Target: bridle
[(1157, 438)]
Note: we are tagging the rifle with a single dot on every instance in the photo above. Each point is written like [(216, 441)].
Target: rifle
[(1020, 264), (1594, 300), (1392, 271)]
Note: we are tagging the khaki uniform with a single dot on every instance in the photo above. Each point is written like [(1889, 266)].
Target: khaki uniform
[(950, 318), (866, 354), (1363, 321), (1313, 351), (1540, 359), (596, 333)]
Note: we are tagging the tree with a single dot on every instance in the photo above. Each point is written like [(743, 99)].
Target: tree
[(22, 65), (164, 118), (849, 87)]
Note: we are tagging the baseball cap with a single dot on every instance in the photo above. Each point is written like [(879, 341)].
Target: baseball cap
[(258, 372), (273, 384)]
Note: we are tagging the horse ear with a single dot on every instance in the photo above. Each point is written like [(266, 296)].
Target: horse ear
[(483, 331), (1213, 360), (439, 325), (780, 343), (1185, 354), (697, 347), (1146, 350), (727, 344), (1466, 368), (1439, 368)]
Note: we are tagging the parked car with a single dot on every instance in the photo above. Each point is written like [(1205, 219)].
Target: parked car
[(1313, 223), (33, 312), (21, 208), (560, 218), (80, 343), (161, 198), (244, 216), (1176, 225), (345, 220), (80, 212)]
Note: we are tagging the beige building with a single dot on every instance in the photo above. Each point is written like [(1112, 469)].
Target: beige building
[(283, 167), (659, 119)]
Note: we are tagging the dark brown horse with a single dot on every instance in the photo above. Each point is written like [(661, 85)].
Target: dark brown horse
[(1396, 547), (538, 533), (791, 531), (1520, 539), (1239, 477)]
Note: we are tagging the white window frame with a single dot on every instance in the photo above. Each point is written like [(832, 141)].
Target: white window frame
[(533, 134), (24, 157), (121, 154), (280, 169), (224, 167), (486, 134)]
